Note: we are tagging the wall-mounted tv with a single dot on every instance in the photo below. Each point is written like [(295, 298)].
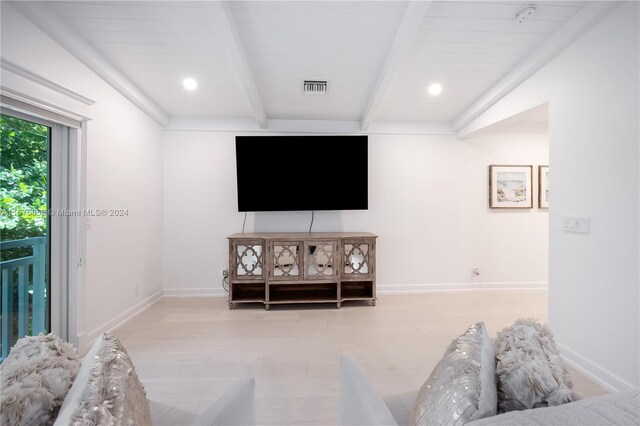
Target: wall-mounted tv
[(293, 173)]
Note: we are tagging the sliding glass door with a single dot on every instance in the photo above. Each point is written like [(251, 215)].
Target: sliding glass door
[(25, 297)]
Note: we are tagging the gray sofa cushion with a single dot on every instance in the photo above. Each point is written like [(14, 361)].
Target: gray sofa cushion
[(621, 408), (400, 406), (360, 404), (235, 407), (168, 415)]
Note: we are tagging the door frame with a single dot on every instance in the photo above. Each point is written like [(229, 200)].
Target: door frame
[(67, 233)]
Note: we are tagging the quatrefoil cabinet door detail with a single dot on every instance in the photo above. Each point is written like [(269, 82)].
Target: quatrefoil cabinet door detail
[(286, 258), (320, 259), (249, 259), (357, 258)]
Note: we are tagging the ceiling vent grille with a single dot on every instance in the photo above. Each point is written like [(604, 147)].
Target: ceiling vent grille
[(315, 87)]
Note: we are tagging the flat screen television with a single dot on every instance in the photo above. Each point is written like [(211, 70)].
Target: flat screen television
[(293, 173)]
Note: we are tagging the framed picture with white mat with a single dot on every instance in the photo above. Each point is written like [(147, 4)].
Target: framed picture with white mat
[(510, 187)]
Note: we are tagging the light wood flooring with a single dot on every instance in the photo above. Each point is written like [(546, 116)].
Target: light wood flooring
[(187, 351)]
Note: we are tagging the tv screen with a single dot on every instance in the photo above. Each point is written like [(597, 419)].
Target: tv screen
[(289, 173)]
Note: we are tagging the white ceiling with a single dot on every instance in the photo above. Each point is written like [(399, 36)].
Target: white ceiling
[(256, 54), (156, 44), (467, 47), (342, 42), (531, 121)]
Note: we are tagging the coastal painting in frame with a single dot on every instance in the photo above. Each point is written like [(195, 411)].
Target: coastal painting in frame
[(510, 187), (543, 187)]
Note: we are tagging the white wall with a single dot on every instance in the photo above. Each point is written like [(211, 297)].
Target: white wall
[(428, 202), (593, 93), (123, 172), (428, 196)]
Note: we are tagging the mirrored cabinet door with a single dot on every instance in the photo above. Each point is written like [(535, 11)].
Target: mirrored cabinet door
[(249, 259), (320, 259), (357, 258), (285, 257)]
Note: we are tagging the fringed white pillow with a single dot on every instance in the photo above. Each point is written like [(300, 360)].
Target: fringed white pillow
[(36, 377), (529, 368)]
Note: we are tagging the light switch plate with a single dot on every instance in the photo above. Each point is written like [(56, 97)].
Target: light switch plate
[(577, 224)]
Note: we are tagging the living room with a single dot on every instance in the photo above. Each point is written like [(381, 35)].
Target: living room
[(564, 96)]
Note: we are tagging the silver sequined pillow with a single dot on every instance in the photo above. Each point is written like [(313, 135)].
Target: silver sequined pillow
[(462, 387), (111, 394), (529, 368)]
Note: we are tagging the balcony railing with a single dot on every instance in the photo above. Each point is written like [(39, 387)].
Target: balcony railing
[(24, 306)]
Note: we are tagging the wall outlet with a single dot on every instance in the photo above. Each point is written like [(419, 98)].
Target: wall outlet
[(476, 271), (225, 273), (136, 290)]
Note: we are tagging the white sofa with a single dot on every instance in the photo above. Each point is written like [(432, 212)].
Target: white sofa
[(45, 381), (236, 406), (361, 405)]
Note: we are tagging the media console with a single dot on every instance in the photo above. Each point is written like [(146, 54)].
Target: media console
[(279, 268)]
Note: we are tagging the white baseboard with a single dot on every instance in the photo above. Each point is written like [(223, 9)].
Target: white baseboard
[(108, 326), (455, 287), (381, 289), (602, 376), (194, 292)]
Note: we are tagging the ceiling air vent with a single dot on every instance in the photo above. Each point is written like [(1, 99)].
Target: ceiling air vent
[(315, 87)]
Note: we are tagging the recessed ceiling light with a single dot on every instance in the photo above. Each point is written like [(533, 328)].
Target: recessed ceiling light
[(190, 84), (435, 89)]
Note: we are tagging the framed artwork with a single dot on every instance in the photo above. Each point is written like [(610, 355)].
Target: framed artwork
[(543, 187), (510, 187)]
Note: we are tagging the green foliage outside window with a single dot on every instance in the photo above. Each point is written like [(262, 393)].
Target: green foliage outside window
[(23, 179)]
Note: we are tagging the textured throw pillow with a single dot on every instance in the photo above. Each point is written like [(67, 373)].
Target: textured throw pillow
[(462, 387), (108, 388), (36, 376), (529, 369), (74, 395)]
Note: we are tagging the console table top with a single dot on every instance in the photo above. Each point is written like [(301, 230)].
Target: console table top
[(302, 235)]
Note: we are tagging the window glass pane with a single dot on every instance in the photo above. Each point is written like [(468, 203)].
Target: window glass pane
[(24, 229)]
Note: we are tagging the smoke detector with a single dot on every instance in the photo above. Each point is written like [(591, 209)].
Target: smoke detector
[(525, 14), (315, 87)]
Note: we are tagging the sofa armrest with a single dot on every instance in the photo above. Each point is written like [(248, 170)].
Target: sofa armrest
[(359, 402), (620, 408), (236, 407)]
